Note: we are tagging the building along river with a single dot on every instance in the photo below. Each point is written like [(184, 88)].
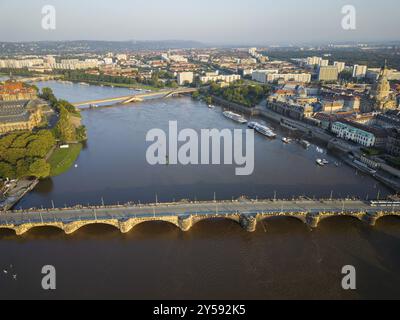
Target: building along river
[(217, 259)]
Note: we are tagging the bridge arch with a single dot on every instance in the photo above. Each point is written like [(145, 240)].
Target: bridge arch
[(7, 228), (130, 224), (24, 228), (392, 214), (199, 219), (357, 217), (42, 227), (75, 226), (276, 217)]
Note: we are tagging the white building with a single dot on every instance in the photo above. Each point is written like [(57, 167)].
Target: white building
[(121, 57), (253, 51), (312, 61), (328, 73), (324, 63), (185, 77), (340, 65), (261, 75), (359, 71), (298, 77), (108, 60), (213, 78), (347, 132)]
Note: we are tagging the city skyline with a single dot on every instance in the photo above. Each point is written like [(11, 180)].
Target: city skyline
[(253, 22)]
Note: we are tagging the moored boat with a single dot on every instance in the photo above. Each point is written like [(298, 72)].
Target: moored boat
[(305, 143), (235, 117)]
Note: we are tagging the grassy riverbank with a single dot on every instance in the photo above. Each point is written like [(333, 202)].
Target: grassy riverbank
[(63, 159)]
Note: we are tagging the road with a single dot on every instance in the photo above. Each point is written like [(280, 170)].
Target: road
[(123, 212)]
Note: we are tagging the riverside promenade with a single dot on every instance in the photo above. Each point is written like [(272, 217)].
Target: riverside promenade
[(184, 215)]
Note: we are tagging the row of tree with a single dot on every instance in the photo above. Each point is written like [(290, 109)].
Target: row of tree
[(158, 79), (65, 130), (248, 95), (24, 154)]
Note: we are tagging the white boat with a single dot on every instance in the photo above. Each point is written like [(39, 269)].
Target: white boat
[(305, 143), (266, 131), (235, 117), (286, 140), (320, 162), (320, 150), (84, 84), (252, 125), (210, 106)]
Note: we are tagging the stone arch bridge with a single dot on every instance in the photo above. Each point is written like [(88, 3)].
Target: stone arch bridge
[(185, 215)]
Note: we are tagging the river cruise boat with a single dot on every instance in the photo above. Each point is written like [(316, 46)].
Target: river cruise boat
[(235, 117), (266, 131), (252, 125)]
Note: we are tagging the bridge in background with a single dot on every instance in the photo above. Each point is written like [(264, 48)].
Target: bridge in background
[(184, 215), (138, 97)]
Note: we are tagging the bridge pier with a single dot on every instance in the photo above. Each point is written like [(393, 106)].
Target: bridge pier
[(127, 225), (185, 222), (371, 218), (248, 222), (312, 220)]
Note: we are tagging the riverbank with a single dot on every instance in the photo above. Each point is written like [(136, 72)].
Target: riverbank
[(62, 159), (137, 86), (15, 191)]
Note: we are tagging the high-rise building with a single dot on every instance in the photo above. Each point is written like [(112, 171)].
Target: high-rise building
[(328, 73), (312, 61), (324, 63), (185, 77), (340, 65), (359, 71)]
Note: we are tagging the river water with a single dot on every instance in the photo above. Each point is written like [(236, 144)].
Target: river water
[(216, 259)]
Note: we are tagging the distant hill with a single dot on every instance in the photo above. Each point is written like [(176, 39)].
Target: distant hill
[(81, 46)]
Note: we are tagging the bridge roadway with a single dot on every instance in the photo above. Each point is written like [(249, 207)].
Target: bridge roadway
[(186, 214), (138, 97)]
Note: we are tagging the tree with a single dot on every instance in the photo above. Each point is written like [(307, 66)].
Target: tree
[(81, 134), (68, 106), (65, 130), (7, 170), (22, 168), (196, 95), (39, 169)]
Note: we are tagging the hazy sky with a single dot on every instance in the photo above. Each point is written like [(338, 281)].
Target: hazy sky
[(210, 21)]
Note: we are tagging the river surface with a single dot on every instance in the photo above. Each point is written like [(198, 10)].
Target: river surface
[(216, 259)]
